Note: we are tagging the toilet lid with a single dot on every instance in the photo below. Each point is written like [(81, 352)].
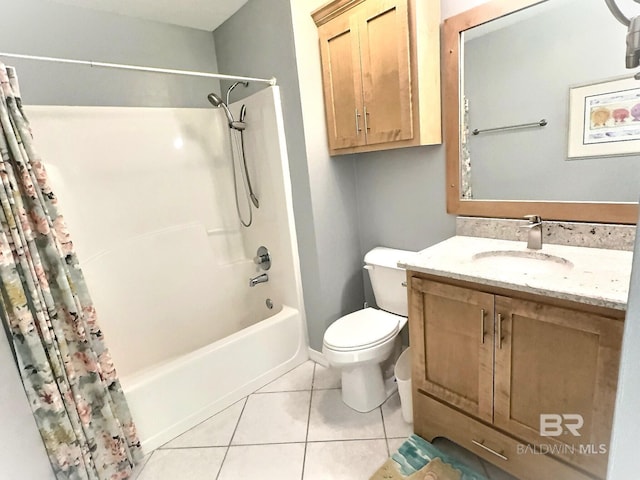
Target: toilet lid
[(361, 329)]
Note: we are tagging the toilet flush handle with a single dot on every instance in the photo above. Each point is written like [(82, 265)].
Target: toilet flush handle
[(368, 267)]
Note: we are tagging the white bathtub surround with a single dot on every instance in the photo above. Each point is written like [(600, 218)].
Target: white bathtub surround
[(592, 276), (579, 234), (168, 265)]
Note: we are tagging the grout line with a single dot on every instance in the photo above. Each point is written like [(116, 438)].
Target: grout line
[(295, 442), (306, 437), (162, 447), (347, 440), (282, 391), (196, 447), (384, 429), (313, 376), (246, 399), (144, 464)]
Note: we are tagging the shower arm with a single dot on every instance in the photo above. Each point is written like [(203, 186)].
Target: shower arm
[(246, 84)]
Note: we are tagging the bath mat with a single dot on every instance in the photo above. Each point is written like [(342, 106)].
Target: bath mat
[(417, 459)]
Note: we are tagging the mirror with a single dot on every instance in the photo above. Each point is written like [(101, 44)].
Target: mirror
[(509, 63)]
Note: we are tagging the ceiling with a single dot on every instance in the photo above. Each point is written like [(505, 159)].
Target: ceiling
[(201, 14)]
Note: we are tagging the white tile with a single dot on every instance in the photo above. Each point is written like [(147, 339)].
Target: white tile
[(273, 418), (300, 378), (464, 456), (354, 460), (326, 378), (185, 464), (394, 444), (394, 424), (264, 462), (214, 432), (495, 473), (331, 419)]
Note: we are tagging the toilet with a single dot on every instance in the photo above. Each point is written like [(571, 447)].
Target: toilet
[(359, 343)]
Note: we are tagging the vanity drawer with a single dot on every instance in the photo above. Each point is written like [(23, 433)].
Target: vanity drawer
[(433, 419)]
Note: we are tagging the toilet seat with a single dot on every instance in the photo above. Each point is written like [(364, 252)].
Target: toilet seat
[(361, 330)]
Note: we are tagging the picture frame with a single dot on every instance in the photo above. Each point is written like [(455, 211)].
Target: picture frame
[(604, 118)]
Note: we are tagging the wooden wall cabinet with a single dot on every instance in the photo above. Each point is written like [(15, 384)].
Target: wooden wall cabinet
[(381, 73), (488, 364)]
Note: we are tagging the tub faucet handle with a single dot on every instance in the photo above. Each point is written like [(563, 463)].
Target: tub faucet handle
[(263, 258)]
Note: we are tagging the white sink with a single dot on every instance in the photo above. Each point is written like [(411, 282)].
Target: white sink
[(522, 261)]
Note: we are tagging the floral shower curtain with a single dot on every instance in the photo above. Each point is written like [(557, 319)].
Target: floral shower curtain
[(66, 369)]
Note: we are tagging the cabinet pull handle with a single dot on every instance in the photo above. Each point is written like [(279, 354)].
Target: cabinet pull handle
[(366, 119), (500, 319), (490, 450), (482, 331), (358, 129)]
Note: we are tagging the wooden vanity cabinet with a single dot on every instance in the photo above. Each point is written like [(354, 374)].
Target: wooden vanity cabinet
[(488, 364), (381, 73)]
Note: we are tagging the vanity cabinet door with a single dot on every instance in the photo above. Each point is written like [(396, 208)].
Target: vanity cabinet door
[(342, 79), (563, 364), (452, 332)]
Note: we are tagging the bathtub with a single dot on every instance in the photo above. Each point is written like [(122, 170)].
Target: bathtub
[(169, 399), (170, 277)]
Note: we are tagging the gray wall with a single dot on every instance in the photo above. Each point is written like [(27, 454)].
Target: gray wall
[(258, 41), (49, 29), (522, 73), (402, 201), (344, 205), (45, 28)]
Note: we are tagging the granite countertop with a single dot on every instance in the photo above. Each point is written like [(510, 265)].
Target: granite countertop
[(593, 276)]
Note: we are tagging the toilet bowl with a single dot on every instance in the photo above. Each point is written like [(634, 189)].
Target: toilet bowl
[(360, 342)]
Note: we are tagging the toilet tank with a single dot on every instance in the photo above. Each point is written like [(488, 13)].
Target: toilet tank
[(387, 278)]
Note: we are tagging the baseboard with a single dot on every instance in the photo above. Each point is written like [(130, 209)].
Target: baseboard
[(318, 357)]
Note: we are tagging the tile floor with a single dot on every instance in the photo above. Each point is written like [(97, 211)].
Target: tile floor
[(294, 428)]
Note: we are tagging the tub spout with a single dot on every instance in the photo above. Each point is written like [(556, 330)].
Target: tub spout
[(259, 279)]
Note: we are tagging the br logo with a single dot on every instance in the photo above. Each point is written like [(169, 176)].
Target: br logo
[(554, 425)]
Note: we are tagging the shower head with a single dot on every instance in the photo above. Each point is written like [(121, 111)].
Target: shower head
[(217, 102), (215, 99)]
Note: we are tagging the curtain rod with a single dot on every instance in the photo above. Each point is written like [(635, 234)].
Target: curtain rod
[(271, 81)]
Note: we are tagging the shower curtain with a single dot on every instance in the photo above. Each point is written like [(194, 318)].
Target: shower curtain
[(66, 369)]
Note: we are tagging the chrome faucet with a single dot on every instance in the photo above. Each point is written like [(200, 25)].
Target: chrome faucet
[(534, 241), (259, 279)]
